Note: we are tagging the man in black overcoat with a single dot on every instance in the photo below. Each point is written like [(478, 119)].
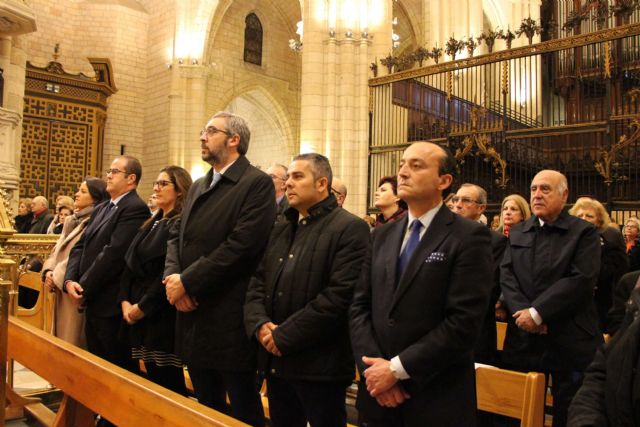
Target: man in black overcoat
[(298, 301), (211, 255), (548, 275), (419, 305), (96, 262), (470, 202)]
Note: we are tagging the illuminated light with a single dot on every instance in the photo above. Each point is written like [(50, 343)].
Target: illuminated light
[(349, 14), (364, 15), (333, 14), (197, 171), (376, 13)]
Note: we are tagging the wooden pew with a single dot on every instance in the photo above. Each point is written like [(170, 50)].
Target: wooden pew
[(91, 384), (41, 314), (501, 332), (510, 393)]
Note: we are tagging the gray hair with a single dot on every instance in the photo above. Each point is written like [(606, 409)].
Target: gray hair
[(482, 194), (320, 167), (237, 125)]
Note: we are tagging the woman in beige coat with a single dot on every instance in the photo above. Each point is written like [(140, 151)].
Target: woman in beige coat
[(69, 322)]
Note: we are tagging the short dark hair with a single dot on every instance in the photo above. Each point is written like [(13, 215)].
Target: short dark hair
[(97, 189), (447, 167), (133, 167), (237, 125), (320, 167), (393, 181)]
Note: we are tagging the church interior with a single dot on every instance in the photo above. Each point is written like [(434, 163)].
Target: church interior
[(510, 87)]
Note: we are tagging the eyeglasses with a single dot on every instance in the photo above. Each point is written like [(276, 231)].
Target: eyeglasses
[(284, 178), (336, 192), (161, 183), (115, 171), (212, 130), (464, 200)]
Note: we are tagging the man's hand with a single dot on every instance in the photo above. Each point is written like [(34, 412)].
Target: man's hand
[(48, 281), (525, 322), (265, 337), (501, 311), (393, 397), (378, 375), (74, 290), (174, 287), (186, 304)]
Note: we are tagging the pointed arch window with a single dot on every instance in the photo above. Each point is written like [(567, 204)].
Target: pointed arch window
[(253, 39)]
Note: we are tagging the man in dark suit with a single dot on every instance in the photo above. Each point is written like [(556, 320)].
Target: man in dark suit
[(278, 174), (226, 220), (92, 279), (470, 202), (548, 275), (41, 216), (419, 304)]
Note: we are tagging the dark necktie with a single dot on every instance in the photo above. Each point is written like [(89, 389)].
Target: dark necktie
[(105, 214), (410, 247)]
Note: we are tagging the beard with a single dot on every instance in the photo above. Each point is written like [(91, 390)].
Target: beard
[(219, 155)]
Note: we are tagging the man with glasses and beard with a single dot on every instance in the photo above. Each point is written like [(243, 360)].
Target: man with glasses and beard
[(211, 256)]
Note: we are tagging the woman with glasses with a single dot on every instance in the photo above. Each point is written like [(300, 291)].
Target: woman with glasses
[(150, 319), (631, 229), (613, 258), (69, 322), (386, 199)]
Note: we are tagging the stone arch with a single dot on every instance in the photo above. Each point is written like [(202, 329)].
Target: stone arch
[(406, 28), (272, 133), (495, 14)]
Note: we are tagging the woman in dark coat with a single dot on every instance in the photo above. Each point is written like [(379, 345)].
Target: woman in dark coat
[(24, 217), (150, 319), (392, 208), (614, 262)]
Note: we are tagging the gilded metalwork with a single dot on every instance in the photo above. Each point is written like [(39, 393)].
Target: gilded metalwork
[(449, 85), (504, 81), (482, 141), (607, 157), (607, 60), (517, 52)]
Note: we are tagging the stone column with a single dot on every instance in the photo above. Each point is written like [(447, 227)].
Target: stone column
[(341, 39)]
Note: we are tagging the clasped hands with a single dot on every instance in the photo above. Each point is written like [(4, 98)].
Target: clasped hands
[(177, 294), (265, 337), (382, 384), (525, 322), (131, 313)]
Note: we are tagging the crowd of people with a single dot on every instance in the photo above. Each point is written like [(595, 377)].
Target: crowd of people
[(245, 276)]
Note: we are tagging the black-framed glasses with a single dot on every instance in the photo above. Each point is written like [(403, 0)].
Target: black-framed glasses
[(115, 171), (284, 178), (336, 192), (161, 183), (464, 200), (212, 130)]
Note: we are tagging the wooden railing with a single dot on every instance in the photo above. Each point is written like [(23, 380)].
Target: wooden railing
[(92, 384)]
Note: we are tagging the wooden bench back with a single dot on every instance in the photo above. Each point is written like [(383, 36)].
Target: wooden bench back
[(510, 393), (121, 397)]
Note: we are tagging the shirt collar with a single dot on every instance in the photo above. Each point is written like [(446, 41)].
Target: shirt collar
[(224, 169), (426, 218), (117, 199)]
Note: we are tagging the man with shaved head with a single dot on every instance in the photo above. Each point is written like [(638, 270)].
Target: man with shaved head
[(548, 276)]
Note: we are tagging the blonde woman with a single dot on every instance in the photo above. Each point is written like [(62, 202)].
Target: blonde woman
[(515, 209), (614, 262)]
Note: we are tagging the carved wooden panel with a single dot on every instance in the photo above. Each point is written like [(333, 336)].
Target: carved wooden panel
[(59, 147)]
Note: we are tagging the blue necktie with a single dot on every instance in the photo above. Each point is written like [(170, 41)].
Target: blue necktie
[(410, 247), (217, 176)]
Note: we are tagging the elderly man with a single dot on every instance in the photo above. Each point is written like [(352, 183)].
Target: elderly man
[(225, 224), (298, 300), (470, 201), (419, 304), (339, 190), (41, 216), (278, 174), (96, 262), (548, 275)]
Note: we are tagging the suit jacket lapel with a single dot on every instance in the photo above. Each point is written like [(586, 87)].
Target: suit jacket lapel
[(434, 235), (393, 244)]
